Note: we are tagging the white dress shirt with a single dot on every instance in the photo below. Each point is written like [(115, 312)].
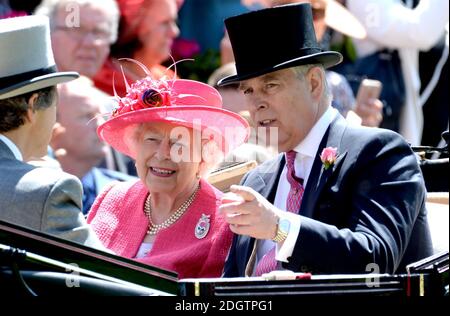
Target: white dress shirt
[(304, 160), (144, 250), (10, 144)]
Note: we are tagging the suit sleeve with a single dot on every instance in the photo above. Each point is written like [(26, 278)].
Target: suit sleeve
[(383, 193), (62, 216)]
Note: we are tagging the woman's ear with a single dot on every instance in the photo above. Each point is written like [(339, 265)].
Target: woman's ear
[(211, 155), (202, 170)]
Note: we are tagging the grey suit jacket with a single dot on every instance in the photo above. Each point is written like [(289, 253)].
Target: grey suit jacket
[(43, 199)]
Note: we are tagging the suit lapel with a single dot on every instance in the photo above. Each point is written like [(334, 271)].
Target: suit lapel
[(270, 179), (319, 176)]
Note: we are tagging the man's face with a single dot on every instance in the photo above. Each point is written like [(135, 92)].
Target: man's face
[(82, 48), (158, 30), (79, 117), (281, 100)]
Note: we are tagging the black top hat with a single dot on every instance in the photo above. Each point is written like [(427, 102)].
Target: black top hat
[(273, 39)]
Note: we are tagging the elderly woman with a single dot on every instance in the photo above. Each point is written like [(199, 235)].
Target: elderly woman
[(176, 130)]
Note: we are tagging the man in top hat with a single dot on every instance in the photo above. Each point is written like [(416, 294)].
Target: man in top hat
[(43, 199), (339, 198)]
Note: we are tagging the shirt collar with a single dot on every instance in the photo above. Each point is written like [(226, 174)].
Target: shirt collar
[(310, 144), (10, 144)]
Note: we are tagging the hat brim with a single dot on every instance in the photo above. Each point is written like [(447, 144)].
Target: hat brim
[(342, 20), (232, 129), (327, 59), (37, 83)]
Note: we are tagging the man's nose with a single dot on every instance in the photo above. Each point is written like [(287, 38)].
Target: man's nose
[(174, 30), (256, 103), (90, 38)]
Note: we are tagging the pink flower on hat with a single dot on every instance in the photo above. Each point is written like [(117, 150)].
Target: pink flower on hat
[(328, 157), (146, 93)]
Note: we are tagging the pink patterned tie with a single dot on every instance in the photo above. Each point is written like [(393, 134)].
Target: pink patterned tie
[(296, 192), (293, 202)]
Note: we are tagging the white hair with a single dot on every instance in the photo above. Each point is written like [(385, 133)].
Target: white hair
[(50, 8), (301, 71)]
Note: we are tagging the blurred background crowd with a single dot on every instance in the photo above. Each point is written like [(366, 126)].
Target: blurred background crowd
[(402, 43)]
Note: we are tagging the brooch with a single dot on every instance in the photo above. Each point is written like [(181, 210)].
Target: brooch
[(202, 227)]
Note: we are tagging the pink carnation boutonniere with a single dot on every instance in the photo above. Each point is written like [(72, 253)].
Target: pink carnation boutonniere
[(328, 157)]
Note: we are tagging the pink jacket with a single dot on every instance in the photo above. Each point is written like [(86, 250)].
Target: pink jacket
[(118, 219)]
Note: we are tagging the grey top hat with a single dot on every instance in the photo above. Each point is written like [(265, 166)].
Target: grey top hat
[(26, 57)]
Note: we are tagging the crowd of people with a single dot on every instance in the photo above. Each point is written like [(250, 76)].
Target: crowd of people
[(103, 143)]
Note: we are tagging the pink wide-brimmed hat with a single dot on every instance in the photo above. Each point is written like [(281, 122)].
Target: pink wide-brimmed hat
[(179, 102)]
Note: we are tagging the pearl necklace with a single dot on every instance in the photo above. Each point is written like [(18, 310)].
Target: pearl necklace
[(153, 229)]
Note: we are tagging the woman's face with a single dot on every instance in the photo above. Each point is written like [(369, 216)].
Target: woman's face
[(167, 159), (158, 30)]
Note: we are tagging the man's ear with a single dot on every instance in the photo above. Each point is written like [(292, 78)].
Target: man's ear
[(57, 132), (316, 78), (31, 113), (58, 129)]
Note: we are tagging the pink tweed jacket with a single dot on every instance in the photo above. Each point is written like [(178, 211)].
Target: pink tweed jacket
[(118, 219)]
